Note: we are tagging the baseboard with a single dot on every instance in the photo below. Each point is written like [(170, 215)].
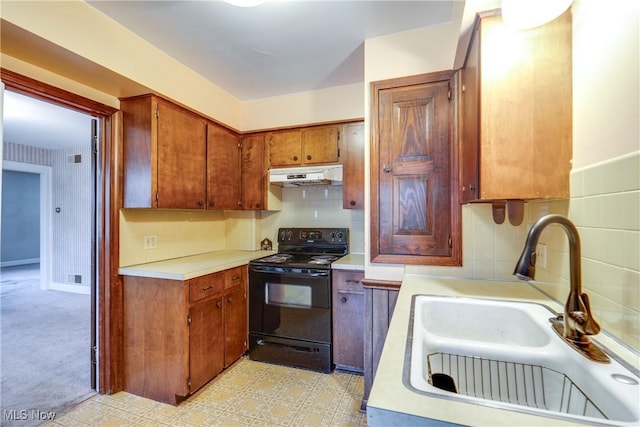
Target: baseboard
[(65, 287), (20, 262)]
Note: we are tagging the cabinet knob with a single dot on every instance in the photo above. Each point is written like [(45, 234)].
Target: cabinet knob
[(229, 299), (387, 168), (352, 203), (211, 204), (219, 304), (200, 203), (343, 299), (295, 158), (308, 157)]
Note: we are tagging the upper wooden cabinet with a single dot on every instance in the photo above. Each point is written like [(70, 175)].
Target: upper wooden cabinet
[(223, 168), (304, 146), (254, 190), (517, 111), (415, 209), (353, 170), (164, 155)]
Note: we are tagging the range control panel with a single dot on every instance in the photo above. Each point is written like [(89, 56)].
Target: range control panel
[(339, 236)]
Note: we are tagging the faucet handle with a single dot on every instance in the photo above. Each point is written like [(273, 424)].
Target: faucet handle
[(581, 322)]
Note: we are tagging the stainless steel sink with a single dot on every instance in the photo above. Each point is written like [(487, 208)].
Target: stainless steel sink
[(506, 354)]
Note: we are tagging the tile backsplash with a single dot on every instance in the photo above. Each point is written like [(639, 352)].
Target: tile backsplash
[(605, 206), (315, 206)]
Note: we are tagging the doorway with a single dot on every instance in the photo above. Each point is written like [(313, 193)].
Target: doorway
[(47, 301)]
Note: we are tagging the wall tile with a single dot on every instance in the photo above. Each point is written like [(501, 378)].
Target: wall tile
[(576, 184), (631, 172), (607, 213)]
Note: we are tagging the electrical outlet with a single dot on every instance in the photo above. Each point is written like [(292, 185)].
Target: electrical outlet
[(541, 255), (150, 242)]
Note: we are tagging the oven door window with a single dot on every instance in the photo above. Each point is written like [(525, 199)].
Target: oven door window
[(288, 295)]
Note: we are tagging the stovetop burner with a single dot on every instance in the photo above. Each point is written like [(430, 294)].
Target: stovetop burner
[(322, 259), (276, 259), (317, 247)]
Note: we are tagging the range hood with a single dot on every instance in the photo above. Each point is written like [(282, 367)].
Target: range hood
[(307, 175)]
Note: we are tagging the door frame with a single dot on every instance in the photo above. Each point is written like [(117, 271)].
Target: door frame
[(45, 174), (108, 349)]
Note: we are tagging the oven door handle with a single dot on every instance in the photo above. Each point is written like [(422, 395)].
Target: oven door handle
[(290, 274), (292, 347)]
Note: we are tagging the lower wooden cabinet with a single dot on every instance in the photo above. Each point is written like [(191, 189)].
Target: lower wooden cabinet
[(178, 334), (380, 300), (348, 320), (235, 315), (206, 324)]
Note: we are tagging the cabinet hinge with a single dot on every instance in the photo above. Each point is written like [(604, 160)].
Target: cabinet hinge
[(156, 196), (450, 241), (338, 135), (239, 144), (189, 383), (189, 319), (449, 91), (94, 355), (157, 112)]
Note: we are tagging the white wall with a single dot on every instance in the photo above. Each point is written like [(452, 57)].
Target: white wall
[(606, 80)]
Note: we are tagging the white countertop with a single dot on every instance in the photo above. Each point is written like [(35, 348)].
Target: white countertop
[(192, 266), (349, 262), (390, 401)]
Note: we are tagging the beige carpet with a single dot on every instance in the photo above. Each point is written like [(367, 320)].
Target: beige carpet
[(44, 348)]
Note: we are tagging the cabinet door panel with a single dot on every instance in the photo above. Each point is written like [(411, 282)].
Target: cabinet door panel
[(285, 148), (253, 187), (320, 145), (353, 179), (181, 158), (235, 328), (206, 342), (223, 168), (415, 175)]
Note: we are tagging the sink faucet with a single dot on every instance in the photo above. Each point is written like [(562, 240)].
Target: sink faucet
[(577, 323)]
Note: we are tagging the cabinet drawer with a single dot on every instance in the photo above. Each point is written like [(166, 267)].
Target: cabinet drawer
[(235, 276), (348, 280), (204, 286)]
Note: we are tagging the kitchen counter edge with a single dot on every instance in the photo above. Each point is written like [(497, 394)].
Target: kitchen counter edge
[(349, 262), (189, 267)]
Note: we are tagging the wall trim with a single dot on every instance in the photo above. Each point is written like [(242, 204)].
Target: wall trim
[(65, 287), (25, 261)]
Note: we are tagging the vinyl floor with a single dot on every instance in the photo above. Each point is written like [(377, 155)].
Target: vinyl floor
[(248, 393)]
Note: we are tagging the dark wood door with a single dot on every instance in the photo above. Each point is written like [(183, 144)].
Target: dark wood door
[(235, 327), (253, 185), (182, 158), (206, 341), (417, 215), (353, 171), (348, 320), (320, 144), (285, 148), (223, 168)]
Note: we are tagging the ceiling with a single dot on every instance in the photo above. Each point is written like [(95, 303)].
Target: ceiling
[(276, 48)]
